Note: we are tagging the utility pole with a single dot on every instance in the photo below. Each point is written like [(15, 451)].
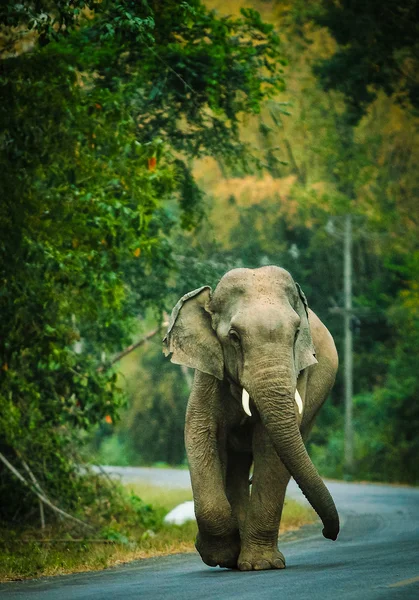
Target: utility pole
[(345, 233), (348, 345)]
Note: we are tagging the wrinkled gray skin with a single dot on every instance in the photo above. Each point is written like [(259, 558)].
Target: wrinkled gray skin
[(255, 332)]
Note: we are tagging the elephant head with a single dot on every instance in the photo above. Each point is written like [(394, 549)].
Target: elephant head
[(254, 332)]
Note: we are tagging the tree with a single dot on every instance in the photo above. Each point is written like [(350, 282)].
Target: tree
[(334, 167), (282, 216), (103, 106), (376, 54), (377, 50)]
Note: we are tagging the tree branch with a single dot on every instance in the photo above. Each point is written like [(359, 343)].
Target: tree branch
[(38, 487), (130, 349), (45, 500)]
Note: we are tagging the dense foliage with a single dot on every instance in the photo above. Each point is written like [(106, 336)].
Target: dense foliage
[(291, 214), (110, 211), (375, 53), (377, 49), (103, 106)]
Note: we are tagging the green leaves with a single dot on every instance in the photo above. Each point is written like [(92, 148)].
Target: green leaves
[(100, 122), (377, 50)]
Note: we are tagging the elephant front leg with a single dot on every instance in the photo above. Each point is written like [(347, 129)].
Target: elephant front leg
[(218, 539), (270, 479)]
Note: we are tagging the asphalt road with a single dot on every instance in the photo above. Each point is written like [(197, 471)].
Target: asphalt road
[(173, 478), (376, 557)]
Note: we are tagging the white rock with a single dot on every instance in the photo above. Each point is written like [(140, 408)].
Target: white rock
[(180, 514)]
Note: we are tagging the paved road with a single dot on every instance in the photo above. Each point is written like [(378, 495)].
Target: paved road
[(375, 557), (173, 478)]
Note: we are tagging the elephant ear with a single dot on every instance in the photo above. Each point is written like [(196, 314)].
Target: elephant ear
[(190, 337), (305, 353)]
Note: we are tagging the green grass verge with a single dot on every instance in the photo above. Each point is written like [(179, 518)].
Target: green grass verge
[(24, 555)]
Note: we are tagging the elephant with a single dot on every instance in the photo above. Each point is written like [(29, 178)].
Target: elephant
[(264, 364)]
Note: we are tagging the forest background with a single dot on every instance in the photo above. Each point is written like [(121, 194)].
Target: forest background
[(147, 148), (325, 155)]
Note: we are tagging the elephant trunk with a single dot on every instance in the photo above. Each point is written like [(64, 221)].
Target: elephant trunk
[(275, 403)]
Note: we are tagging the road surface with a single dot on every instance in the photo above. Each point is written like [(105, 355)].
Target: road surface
[(376, 557), (173, 478)]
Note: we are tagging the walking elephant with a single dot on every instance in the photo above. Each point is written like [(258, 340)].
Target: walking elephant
[(264, 364)]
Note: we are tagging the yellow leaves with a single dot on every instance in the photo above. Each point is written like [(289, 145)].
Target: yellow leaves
[(411, 298), (5, 367), (137, 252), (75, 243), (248, 191)]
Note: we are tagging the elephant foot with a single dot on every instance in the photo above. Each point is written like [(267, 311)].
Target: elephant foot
[(258, 559), (219, 550)]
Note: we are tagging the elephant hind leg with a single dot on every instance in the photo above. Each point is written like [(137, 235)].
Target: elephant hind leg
[(237, 485)]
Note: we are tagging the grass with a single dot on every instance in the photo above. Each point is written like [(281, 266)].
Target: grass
[(159, 496), (24, 556)]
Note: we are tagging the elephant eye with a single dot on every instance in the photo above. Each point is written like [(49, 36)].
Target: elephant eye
[(234, 336)]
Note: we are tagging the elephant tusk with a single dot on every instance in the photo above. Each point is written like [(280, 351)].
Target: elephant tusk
[(245, 402), (299, 401)]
